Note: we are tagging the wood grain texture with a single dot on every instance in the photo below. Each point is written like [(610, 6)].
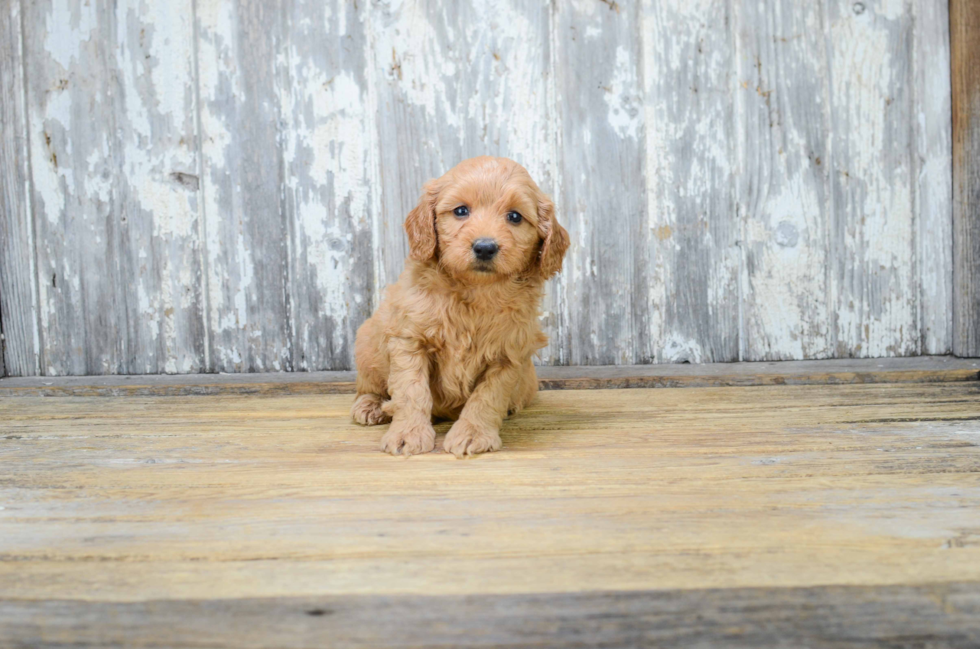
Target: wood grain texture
[(137, 509), (873, 280), (330, 177), (693, 295), (965, 39), (784, 204), (20, 347), (935, 615), (72, 138), (113, 139), (921, 369), (602, 198), (157, 191), (932, 171), (239, 59)]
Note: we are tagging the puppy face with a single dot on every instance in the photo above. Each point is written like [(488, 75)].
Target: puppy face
[(485, 220)]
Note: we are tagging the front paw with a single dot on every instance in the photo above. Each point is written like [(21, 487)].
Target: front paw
[(465, 438), (408, 438)]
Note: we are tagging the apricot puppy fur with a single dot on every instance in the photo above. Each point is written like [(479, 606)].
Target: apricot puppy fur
[(454, 338)]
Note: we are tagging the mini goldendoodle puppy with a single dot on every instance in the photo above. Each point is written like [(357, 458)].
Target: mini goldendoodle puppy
[(454, 338)]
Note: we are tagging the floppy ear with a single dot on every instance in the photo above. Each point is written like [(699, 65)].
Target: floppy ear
[(420, 225), (554, 238)]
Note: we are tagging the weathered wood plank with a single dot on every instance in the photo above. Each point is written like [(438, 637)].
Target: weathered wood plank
[(247, 232), (329, 137), (457, 80), (20, 348), (112, 119), (603, 195), (885, 370), (692, 226), (874, 286), (965, 41), (156, 190), (783, 196), (932, 160), (72, 139), (204, 498), (935, 615)]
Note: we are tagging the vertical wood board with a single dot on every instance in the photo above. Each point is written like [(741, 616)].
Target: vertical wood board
[(874, 286), (71, 134), (965, 37), (111, 113), (932, 168), (783, 194), (158, 187), (330, 177), (247, 234), (603, 195), (691, 225), (20, 347)]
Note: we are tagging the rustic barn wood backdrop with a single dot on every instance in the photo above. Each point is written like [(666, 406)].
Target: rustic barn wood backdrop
[(219, 185)]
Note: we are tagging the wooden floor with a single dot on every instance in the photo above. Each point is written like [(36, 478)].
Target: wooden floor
[(812, 515)]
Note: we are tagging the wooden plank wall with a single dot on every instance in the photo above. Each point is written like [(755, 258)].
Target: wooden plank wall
[(219, 185), (965, 36)]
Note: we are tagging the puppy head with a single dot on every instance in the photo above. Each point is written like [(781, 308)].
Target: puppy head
[(484, 220)]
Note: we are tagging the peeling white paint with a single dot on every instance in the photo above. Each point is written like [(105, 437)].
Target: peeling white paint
[(220, 78), (679, 349), (64, 38), (687, 65), (327, 133), (622, 97), (877, 319), (409, 53), (933, 183)]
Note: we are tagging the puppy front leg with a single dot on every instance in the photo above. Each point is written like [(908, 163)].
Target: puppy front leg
[(411, 431), (478, 428)]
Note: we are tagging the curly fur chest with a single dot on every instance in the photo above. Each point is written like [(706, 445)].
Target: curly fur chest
[(466, 344)]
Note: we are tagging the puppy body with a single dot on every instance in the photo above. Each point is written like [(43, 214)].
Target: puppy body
[(455, 336)]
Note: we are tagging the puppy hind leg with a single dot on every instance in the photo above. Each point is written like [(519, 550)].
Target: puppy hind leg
[(524, 391), (372, 372), (369, 406), (368, 410)]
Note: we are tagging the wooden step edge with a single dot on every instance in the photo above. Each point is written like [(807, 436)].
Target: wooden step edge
[(924, 369), (816, 378)]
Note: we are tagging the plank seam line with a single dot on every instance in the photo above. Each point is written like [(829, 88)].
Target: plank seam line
[(735, 197), (287, 204), (915, 167), (29, 200), (554, 108), (832, 212), (202, 227), (3, 341)]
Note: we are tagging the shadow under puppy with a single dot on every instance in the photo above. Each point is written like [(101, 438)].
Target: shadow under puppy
[(455, 337)]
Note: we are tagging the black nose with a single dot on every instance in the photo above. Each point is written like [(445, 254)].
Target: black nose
[(485, 249)]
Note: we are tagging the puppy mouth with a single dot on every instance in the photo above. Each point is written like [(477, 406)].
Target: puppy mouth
[(483, 267)]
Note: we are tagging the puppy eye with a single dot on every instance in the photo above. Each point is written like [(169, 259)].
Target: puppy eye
[(514, 217), (461, 211)]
